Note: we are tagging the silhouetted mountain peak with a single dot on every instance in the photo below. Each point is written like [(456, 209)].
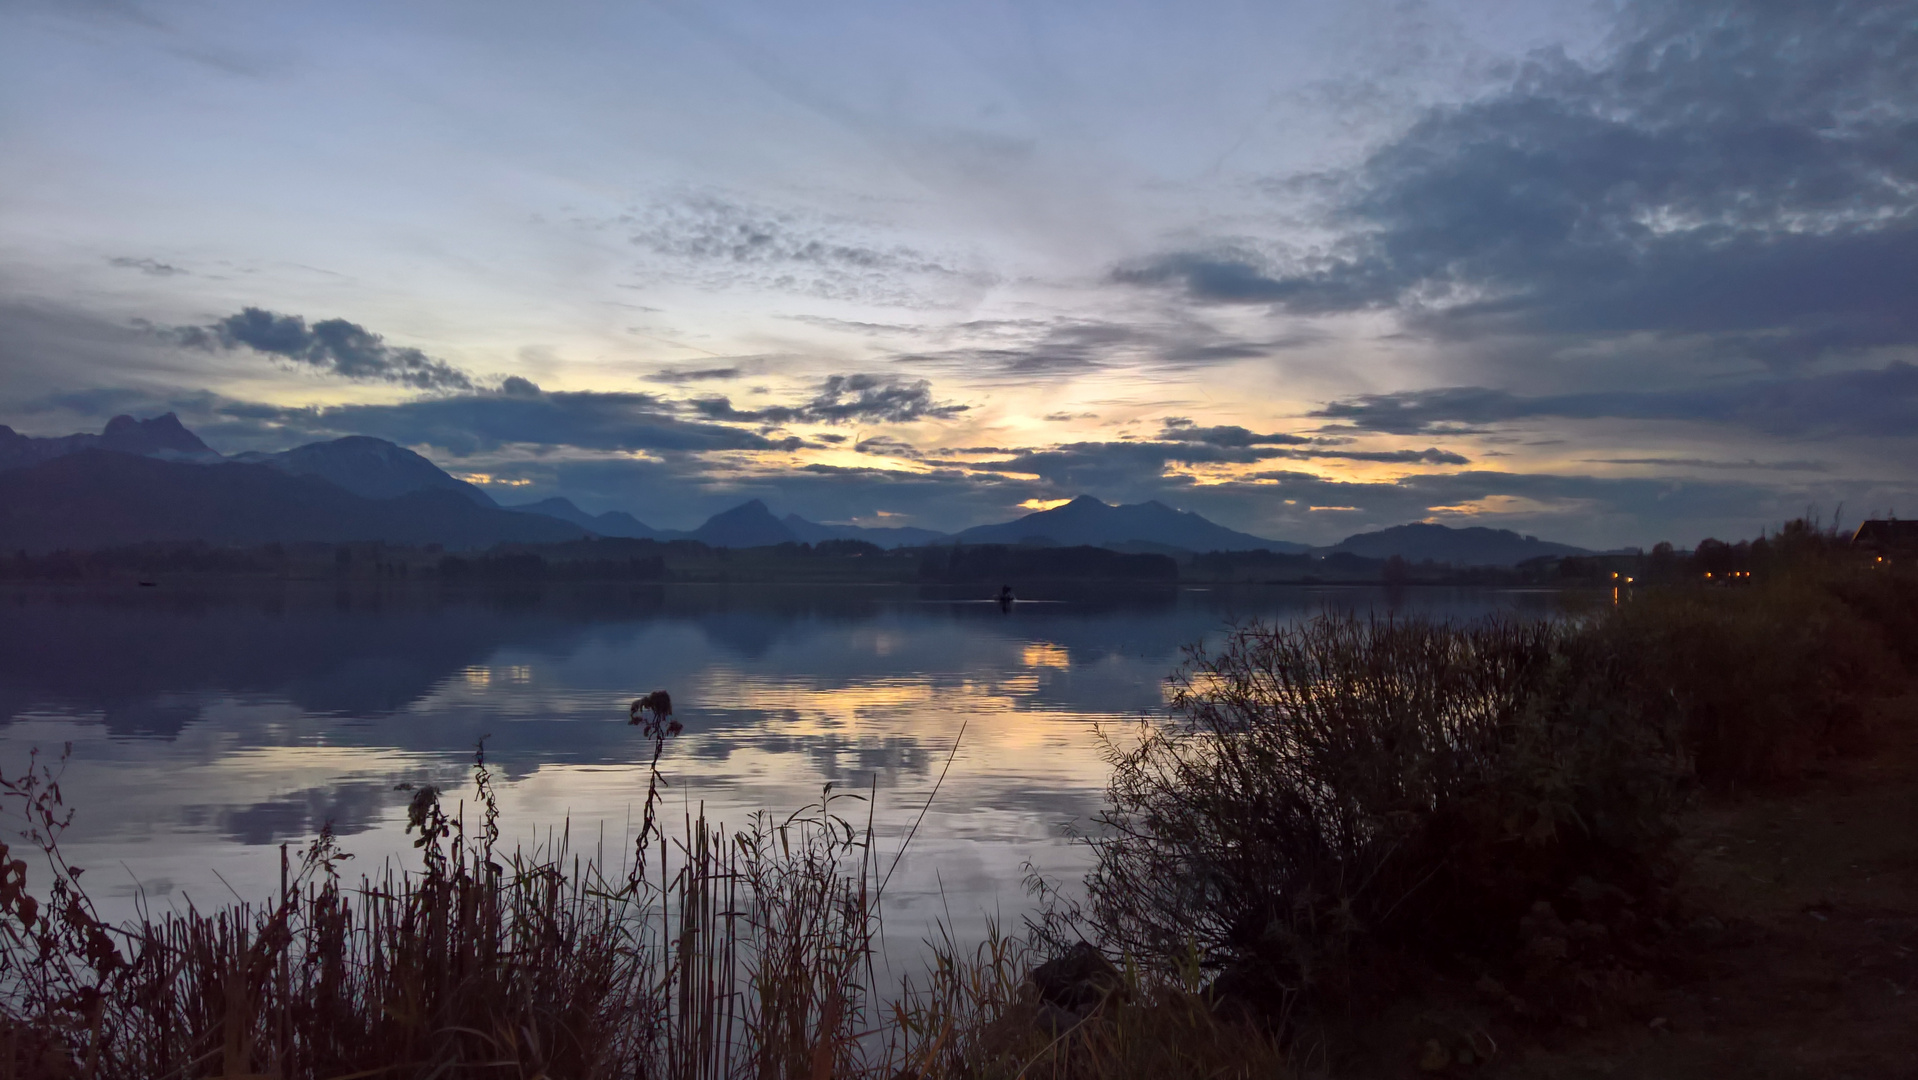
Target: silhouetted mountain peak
[(98, 498), (371, 467), (161, 435), (749, 524)]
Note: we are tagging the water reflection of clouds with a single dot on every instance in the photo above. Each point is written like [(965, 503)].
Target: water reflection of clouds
[(207, 727)]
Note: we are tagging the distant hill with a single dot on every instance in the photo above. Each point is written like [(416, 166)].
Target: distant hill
[(98, 498), (162, 437), (611, 523), (811, 532), (1083, 522), (749, 524), (1087, 520), (367, 466), (1474, 546)]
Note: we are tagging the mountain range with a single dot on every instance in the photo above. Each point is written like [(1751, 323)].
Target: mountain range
[(611, 523), (370, 467), (101, 498), (150, 480), (161, 437)]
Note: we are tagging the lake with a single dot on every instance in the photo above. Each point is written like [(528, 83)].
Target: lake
[(210, 726)]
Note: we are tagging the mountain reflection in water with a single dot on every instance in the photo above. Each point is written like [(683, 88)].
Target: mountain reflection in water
[(207, 724)]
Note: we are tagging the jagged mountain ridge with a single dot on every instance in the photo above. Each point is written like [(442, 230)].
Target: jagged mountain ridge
[(161, 436), (377, 470), (101, 498)]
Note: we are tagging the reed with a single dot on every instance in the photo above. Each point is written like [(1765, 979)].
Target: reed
[(710, 954)]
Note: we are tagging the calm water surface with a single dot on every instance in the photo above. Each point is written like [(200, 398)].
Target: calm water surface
[(208, 727)]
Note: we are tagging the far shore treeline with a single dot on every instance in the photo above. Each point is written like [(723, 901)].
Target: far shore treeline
[(836, 561), (856, 562)]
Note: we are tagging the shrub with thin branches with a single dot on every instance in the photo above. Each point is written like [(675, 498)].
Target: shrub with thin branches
[(1344, 795)]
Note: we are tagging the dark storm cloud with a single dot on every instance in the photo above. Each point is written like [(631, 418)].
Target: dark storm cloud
[(1866, 402), (843, 399), (336, 346), (1743, 171)]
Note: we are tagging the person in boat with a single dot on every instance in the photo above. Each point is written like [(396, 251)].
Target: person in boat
[(1005, 597)]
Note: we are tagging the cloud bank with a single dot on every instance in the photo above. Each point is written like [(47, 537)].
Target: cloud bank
[(1739, 172)]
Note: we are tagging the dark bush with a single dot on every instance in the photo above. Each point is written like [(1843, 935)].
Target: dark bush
[(1344, 797), (1767, 678)]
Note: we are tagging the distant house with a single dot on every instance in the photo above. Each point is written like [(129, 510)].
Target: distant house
[(1887, 537)]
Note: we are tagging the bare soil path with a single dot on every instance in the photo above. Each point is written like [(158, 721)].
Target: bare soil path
[(1809, 964)]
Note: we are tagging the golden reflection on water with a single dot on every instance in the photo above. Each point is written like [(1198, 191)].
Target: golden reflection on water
[(1045, 654)]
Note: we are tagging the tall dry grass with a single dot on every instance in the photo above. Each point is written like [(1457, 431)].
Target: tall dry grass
[(709, 954)]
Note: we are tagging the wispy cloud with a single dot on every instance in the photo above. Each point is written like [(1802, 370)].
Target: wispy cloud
[(677, 376), (843, 399), (727, 243), (1883, 401), (1750, 465), (334, 346), (152, 267)]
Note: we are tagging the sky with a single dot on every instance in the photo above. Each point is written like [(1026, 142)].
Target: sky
[(1607, 273)]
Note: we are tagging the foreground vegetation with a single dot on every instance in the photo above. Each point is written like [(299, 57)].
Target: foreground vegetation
[(1338, 817)]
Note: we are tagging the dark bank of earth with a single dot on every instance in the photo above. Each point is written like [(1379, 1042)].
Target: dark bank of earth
[(1804, 955)]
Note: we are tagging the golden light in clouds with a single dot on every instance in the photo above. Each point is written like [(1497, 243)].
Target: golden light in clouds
[(1042, 504)]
